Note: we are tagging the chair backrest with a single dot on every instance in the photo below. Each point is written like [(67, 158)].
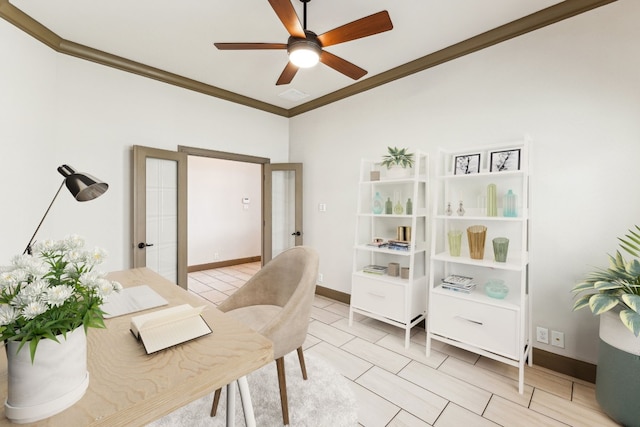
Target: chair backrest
[(287, 281)]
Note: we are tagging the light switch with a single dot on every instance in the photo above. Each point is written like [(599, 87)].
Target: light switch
[(322, 207)]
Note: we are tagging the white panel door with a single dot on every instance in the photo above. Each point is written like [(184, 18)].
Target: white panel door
[(160, 212), (162, 217)]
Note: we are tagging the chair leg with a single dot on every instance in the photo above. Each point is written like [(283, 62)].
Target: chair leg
[(216, 400), (282, 381), (303, 367)]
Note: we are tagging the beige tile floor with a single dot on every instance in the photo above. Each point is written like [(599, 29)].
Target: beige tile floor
[(396, 387)]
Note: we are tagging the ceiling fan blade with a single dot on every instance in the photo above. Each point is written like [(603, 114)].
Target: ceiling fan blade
[(287, 14), (287, 75), (249, 46), (367, 26), (342, 66)]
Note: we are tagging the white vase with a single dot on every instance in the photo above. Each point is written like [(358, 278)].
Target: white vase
[(396, 171), (55, 380)]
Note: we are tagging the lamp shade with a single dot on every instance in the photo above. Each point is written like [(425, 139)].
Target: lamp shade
[(82, 186)]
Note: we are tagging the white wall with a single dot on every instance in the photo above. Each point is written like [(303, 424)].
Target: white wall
[(57, 109), (573, 87), (221, 227)]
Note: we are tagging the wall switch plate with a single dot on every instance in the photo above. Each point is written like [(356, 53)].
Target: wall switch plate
[(557, 339), (542, 335)]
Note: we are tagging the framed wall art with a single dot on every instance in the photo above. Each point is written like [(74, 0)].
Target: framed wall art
[(466, 164), (504, 160)]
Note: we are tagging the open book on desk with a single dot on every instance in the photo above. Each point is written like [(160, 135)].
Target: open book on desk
[(165, 328)]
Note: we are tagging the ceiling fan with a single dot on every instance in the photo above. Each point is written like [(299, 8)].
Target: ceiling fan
[(305, 48)]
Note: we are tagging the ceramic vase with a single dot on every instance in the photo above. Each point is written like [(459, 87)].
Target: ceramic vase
[(395, 172), (55, 380), (617, 386)]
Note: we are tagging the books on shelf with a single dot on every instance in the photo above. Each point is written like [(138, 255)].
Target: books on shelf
[(458, 283), (165, 328), (374, 269)]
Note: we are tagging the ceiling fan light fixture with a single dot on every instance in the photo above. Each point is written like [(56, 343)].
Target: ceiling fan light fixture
[(304, 53)]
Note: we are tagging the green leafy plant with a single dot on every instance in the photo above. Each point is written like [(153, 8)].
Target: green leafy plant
[(616, 286), (52, 292), (398, 157)]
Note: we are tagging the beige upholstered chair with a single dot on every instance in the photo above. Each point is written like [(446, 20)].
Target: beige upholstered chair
[(276, 302)]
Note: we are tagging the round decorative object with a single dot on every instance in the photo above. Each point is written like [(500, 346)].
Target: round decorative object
[(496, 288), (55, 380)]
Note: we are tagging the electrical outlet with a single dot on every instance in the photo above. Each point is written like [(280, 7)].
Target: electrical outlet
[(542, 335), (216, 255), (320, 277), (557, 339)]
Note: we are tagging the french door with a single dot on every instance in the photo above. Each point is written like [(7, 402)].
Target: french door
[(282, 208), (160, 212)]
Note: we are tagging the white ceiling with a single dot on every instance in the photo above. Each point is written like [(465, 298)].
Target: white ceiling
[(178, 36)]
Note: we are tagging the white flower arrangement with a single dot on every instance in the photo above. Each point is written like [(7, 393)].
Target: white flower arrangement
[(52, 292)]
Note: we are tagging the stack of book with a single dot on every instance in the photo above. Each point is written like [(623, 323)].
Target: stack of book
[(398, 245), (458, 283), (375, 269)]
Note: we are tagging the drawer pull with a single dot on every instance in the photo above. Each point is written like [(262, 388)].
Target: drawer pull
[(470, 320), (376, 295)]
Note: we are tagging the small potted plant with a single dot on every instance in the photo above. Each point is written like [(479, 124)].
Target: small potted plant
[(614, 294), (398, 162)]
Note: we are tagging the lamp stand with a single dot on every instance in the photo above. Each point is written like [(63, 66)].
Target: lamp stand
[(28, 248)]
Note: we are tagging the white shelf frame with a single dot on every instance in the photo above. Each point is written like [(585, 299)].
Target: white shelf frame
[(415, 285), (440, 222)]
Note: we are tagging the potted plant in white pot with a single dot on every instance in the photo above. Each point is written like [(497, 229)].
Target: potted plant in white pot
[(47, 302), (614, 294), (398, 162)]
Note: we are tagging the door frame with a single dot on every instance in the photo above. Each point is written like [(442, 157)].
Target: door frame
[(267, 168), (139, 222), (224, 155)]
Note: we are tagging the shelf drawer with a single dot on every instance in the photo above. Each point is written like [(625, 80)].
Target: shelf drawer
[(489, 327), (377, 296)]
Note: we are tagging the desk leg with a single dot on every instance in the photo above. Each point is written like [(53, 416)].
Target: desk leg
[(247, 406), (231, 404)]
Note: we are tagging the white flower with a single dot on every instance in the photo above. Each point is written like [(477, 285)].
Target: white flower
[(33, 309), (33, 290), (46, 246), (57, 295), (96, 257), (29, 292), (90, 279), (8, 314), (73, 242), (75, 256), (106, 287)]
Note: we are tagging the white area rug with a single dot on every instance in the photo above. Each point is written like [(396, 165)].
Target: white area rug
[(324, 400)]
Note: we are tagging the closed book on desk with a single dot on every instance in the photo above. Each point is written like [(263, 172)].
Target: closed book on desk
[(165, 328)]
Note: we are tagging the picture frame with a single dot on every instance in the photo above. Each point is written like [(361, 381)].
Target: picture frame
[(504, 160), (466, 164)]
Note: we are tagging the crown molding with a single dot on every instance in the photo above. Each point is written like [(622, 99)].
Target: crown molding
[(535, 21)]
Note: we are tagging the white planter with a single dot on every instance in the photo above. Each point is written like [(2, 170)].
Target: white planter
[(617, 385), (57, 379), (396, 172)]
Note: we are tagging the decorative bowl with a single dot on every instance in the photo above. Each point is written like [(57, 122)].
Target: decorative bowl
[(495, 288)]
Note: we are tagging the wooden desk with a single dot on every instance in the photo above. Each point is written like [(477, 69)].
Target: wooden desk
[(127, 387)]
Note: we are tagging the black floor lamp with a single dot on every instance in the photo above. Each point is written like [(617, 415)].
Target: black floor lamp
[(82, 186)]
